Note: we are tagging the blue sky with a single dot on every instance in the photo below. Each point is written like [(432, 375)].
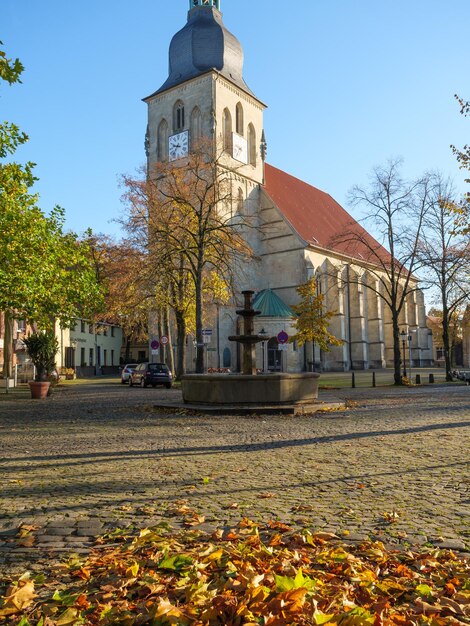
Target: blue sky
[(369, 79)]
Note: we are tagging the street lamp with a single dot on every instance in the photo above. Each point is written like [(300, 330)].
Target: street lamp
[(73, 345), (403, 336)]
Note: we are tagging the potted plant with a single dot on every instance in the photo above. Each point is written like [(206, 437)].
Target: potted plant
[(42, 348)]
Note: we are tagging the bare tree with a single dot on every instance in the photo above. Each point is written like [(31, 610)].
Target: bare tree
[(395, 210), (445, 257), (193, 230), (461, 209)]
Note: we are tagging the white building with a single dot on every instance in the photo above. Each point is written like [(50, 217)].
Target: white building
[(89, 348)]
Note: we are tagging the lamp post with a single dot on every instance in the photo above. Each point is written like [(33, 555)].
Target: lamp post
[(73, 345), (403, 336)]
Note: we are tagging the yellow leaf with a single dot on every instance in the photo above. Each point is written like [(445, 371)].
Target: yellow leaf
[(132, 571), (18, 598), (68, 618)]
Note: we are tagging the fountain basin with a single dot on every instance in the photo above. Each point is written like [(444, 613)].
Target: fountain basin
[(239, 389)]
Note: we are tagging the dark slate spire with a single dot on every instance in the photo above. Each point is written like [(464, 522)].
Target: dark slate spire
[(204, 44)]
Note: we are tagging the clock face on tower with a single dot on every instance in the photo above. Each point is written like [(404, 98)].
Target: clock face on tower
[(240, 148), (178, 145)]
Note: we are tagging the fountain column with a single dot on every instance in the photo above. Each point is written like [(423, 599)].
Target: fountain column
[(248, 339)]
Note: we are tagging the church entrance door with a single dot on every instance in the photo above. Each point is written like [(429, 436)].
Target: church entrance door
[(274, 356)]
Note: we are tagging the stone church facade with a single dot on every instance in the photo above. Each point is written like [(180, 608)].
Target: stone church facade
[(205, 95)]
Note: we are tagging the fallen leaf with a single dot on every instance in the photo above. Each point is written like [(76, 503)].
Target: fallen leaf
[(18, 598)]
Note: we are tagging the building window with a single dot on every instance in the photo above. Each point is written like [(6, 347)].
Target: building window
[(90, 328), (196, 125), (82, 357), (105, 357), (91, 357), (69, 356), (239, 119), (82, 326), (112, 331), (227, 358), (21, 326), (112, 357), (105, 331), (162, 141), (178, 116), (440, 354), (227, 130), (252, 145)]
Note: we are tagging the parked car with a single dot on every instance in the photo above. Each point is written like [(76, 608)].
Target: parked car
[(126, 372), (153, 374)]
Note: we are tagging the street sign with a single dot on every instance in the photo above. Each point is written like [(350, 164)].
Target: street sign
[(207, 331), (282, 346), (164, 340), (154, 352), (155, 344), (283, 337)]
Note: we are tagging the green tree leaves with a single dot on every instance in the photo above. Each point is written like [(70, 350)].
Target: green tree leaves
[(45, 272)]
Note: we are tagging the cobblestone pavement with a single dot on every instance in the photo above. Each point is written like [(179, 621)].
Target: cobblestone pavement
[(394, 466)]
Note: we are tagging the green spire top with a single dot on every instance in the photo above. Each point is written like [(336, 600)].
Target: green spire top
[(204, 3)]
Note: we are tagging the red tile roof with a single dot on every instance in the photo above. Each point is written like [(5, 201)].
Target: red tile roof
[(316, 216)]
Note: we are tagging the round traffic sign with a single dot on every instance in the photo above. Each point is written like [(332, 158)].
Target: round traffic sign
[(163, 340), (155, 344), (283, 337)]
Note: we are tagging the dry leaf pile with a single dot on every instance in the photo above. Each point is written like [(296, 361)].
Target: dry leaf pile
[(249, 576)]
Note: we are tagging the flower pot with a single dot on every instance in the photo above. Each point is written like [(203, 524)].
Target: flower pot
[(39, 389)]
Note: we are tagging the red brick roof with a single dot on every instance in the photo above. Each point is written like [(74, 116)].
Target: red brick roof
[(316, 216)]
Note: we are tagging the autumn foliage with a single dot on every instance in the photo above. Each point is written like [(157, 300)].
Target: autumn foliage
[(312, 320), (251, 575)]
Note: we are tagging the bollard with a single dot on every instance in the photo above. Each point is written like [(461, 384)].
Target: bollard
[(418, 379), (373, 379), (431, 379), (353, 381)]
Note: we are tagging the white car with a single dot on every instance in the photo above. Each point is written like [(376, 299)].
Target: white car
[(126, 372)]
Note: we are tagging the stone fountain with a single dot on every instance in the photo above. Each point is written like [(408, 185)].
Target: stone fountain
[(248, 339), (249, 388)]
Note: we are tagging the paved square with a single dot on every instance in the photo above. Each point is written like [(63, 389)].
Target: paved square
[(394, 466)]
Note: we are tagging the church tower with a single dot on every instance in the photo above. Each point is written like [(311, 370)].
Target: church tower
[(205, 95)]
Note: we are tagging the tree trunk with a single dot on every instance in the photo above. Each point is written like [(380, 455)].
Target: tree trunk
[(396, 352), (127, 354), (199, 336), (169, 345), (160, 333), (8, 345), (180, 343), (446, 343)]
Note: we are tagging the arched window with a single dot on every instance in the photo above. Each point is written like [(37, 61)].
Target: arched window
[(239, 119), (227, 130), (162, 141), (196, 125), (178, 116), (240, 201), (251, 145), (227, 357)]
